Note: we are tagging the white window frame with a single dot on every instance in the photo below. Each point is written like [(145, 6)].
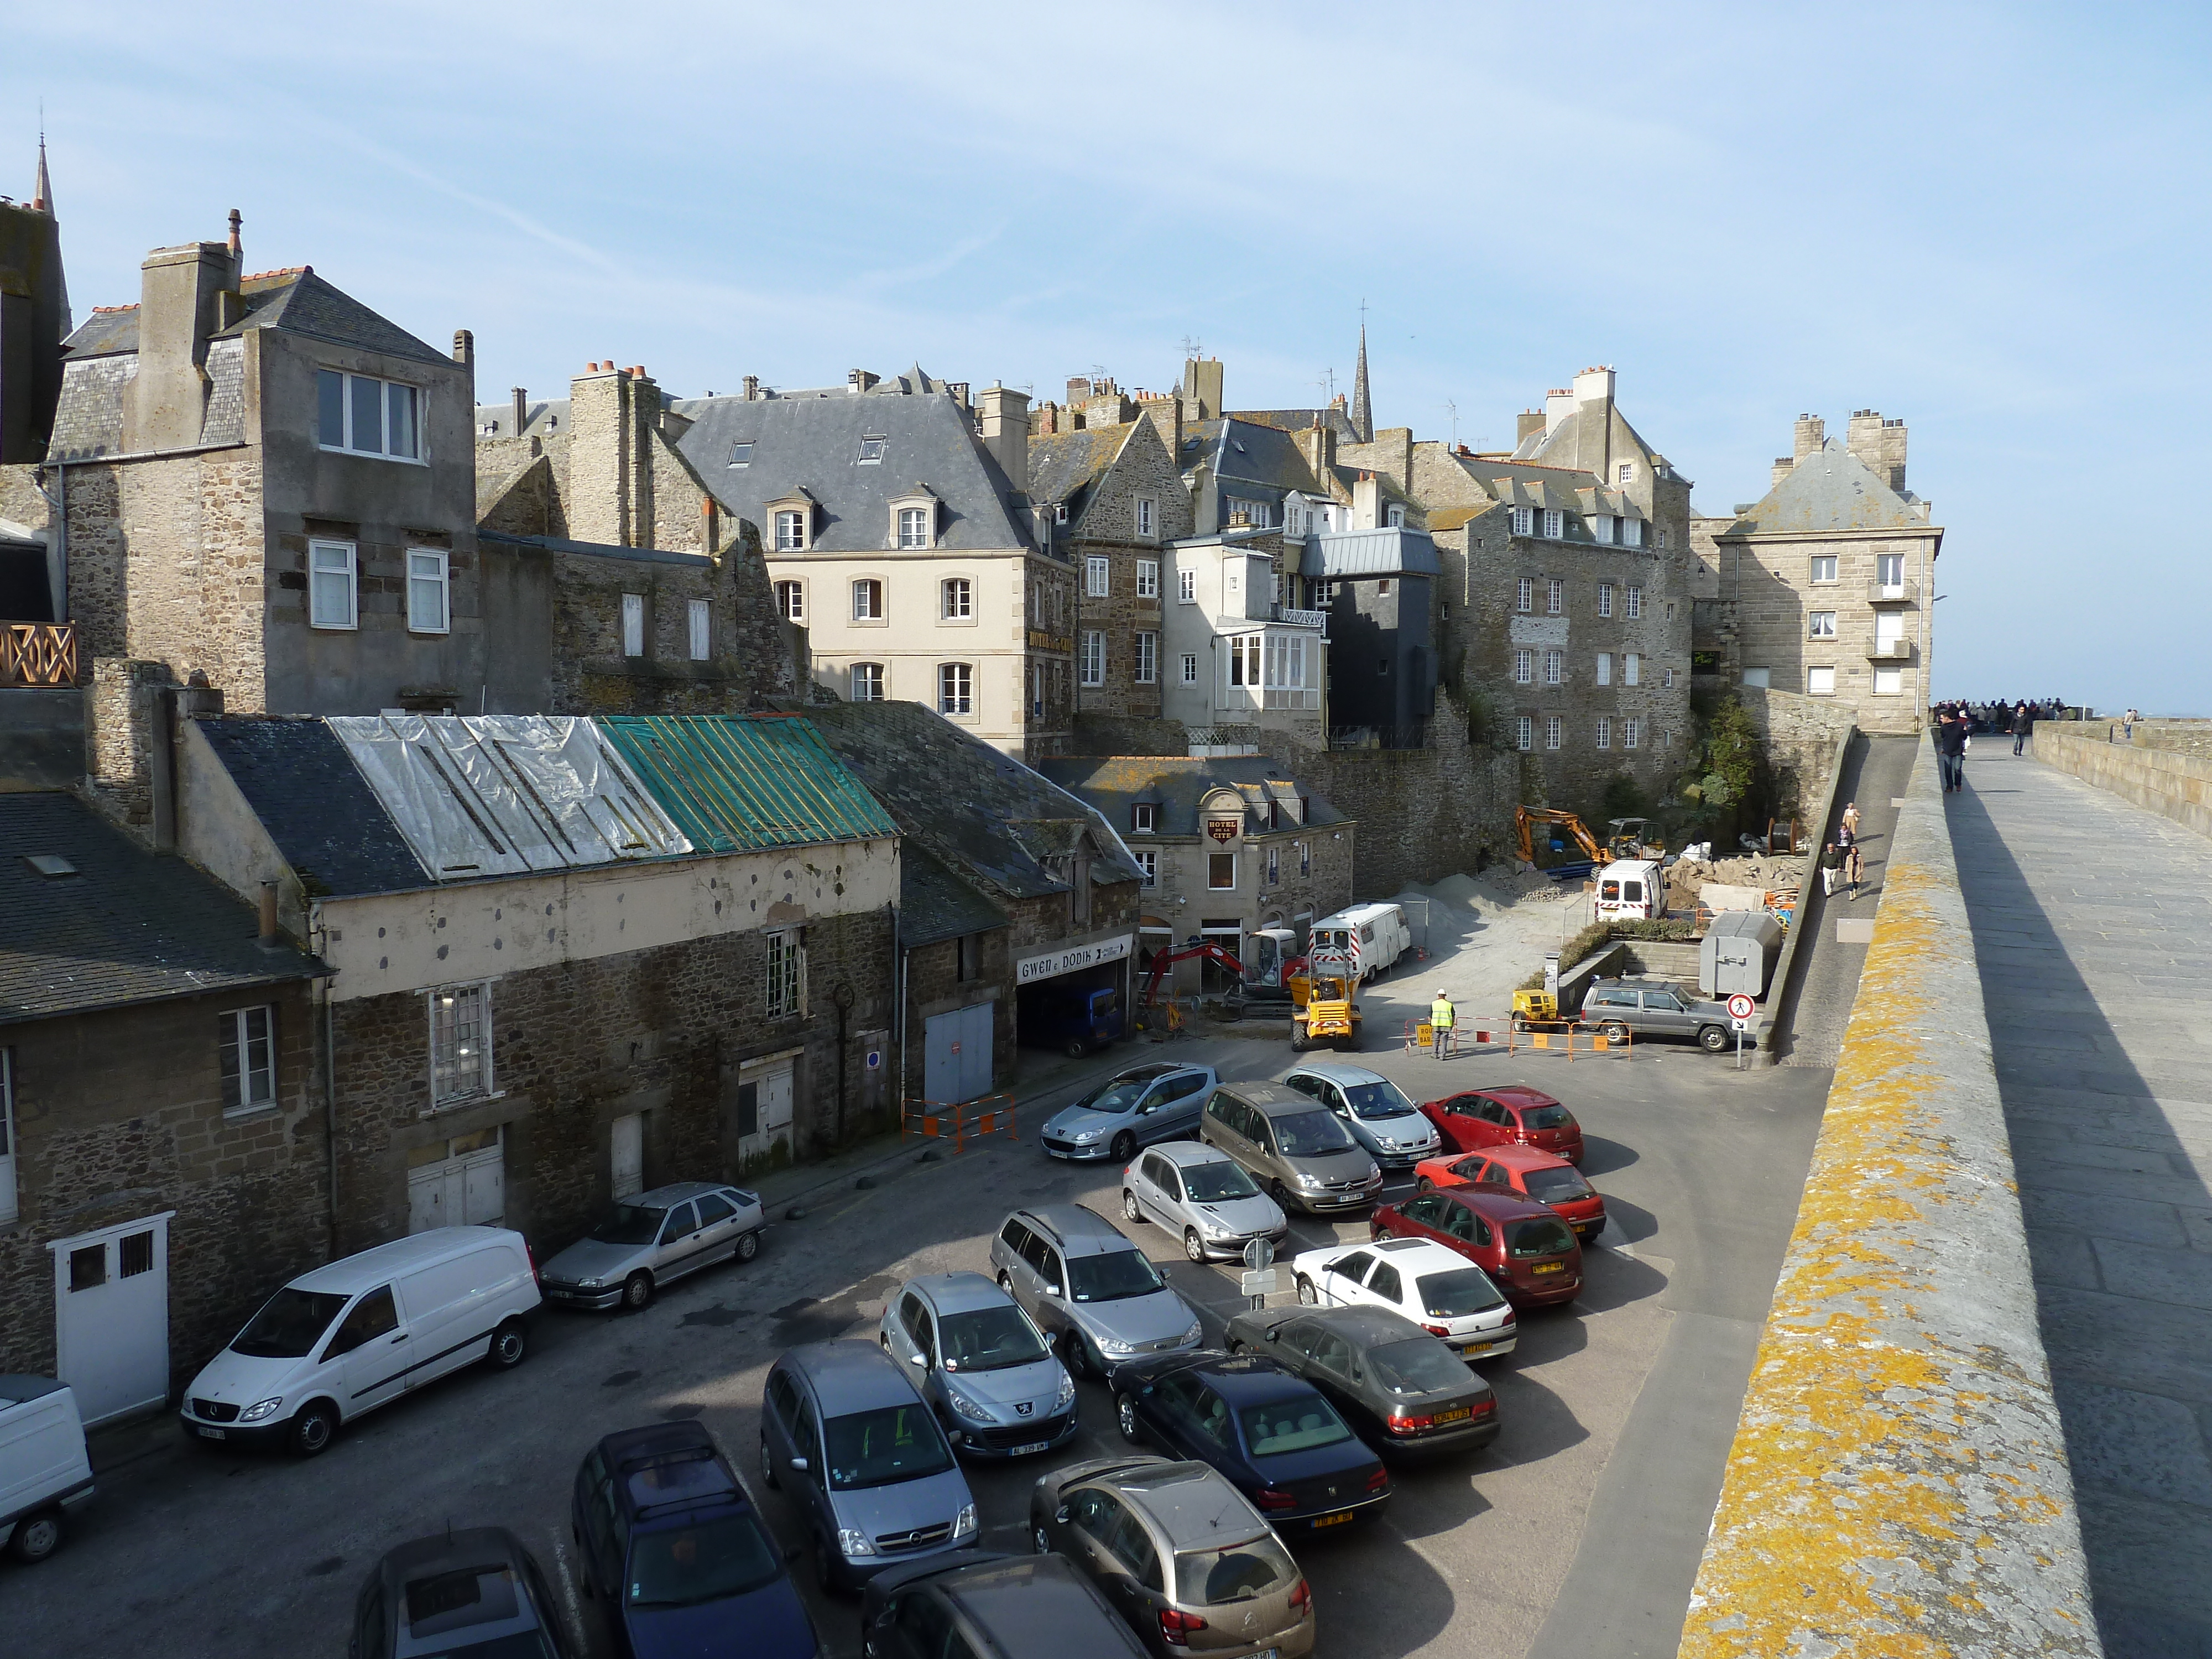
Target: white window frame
[(347, 443), (1632, 532), (1627, 472), (1525, 596), (1605, 668), (1097, 576), (1604, 599), (913, 528), (872, 586), (956, 599), (347, 570), (791, 530), (1635, 601), (1820, 624), (868, 677), (1524, 520), (1147, 511), (1554, 731), (6, 1134), (699, 629), (791, 599), (1555, 523), (429, 579), (1092, 658), (1631, 733), (1605, 731), (1555, 668), (1148, 578), (235, 1026), (457, 999), (1524, 733), (1186, 587), (1190, 668), (1896, 678), (1524, 667), (1822, 569), (783, 975), (1601, 528), (955, 690), (1883, 564), (1143, 817), (1632, 668), (1148, 657), (1149, 863), (633, 624), (1214, 861), (1555, 598), (1813, 686)]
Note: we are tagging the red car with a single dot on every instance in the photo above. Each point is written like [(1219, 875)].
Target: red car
[(1548, 1179), (1510, 1116), (1531, 1254)]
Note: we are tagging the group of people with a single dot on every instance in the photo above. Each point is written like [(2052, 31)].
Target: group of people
[(1839, 858)]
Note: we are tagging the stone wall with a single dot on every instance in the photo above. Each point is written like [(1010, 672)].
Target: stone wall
[(1108, 529), (120, 730), (933, 987), (1126, 734), (2174, 783), (1801, 733)]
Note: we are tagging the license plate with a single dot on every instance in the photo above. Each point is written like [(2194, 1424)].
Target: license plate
[(1476, 1347), (1337, 1520), (210, 1434), (1024, 1451), (1054, 1152), (1458, 1416), (1549, 1267)]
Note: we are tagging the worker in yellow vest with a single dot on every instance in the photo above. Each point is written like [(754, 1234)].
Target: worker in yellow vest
[(1441, 1015)]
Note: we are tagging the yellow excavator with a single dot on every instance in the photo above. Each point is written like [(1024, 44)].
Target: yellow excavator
[(1321, 1005)]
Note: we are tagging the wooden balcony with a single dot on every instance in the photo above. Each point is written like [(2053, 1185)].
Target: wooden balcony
[(37, 654)]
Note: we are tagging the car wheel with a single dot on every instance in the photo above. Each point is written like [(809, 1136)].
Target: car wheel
[(1424, 1185), (1075, 1354), (1077, 1047), (37, 1537), (749, 1245), (1307, 1297), (1125, 1417), (1281, 1194), (637, 1290), (312, 1429), (1124, 1147), (1193, 1246), (1376, 1234), (1006, 1284), (768, 1467), (1039, 1537), (825, 1578), (1713, 1039), (1298, 1040), (1613, 1031), (508, 1344), (1129, 1206), (1519, 1023)]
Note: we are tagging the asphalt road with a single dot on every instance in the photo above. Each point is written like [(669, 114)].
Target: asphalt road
[(1593, 1501)]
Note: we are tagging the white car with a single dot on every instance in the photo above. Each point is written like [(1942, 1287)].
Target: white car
[(1438, 1289), (1200, 1193)]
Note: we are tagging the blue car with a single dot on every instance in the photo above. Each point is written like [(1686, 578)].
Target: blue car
[(1145, 1103), (668, 1536)]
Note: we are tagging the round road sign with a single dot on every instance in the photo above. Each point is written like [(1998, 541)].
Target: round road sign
[(1740, 1007)]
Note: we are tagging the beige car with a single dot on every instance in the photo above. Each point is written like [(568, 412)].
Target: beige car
[(1181, 1553)]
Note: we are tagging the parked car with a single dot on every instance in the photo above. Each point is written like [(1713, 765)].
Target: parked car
[(1296, 1149), (1092, 1292), (1530, 1253), (975, 1604), (1509, 1115), (43, 1469), (474, 1591), (1182, 1552), (991, 1375), (356, 1333), (1430, 1284), (1548, 1179), (1616, 1007), (655, 1239), (667, 1536), (1377, 1111), (1274, 1437), (868, 1469), (1196, 1191), (1071, 1020), (1401, 1388), (1157, 1101)]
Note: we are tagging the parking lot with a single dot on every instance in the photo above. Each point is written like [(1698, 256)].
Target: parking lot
[(1587, 1512)]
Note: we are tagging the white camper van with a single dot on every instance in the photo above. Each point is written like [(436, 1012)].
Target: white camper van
[(43, 1465), (358, 1333), (1631, 889), (1370, 935)]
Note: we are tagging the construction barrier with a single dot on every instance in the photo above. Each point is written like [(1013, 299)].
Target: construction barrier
[(1571, 1037), (1462, 1039), (970, 1119)]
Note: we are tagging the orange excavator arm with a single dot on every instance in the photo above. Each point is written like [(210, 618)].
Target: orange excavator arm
[(1524, 817), (1167, 959)]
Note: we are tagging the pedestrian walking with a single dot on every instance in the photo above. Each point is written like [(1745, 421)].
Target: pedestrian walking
[(2128, 726), (2022, 724), (1442, 1017), (1851, 820), (1853, 867), (1832, 867), (1951, 752)]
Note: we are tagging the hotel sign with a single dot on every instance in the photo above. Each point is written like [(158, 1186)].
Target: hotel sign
[(1050, 964), (1223, 830)]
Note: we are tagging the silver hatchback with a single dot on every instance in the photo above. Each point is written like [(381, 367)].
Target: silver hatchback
[(652, 1240), (1090, 1289), (981, 1363), (1203, 1196)]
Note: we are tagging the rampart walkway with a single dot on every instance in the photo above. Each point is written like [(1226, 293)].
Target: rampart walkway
[(2093, 924)]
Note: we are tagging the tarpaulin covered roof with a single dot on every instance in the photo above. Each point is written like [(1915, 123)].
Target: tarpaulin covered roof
[(742, 783), (498, 794)]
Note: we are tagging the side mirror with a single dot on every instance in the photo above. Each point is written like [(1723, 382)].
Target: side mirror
[(1052, 1289), (1274, 1335), (798, 1463), (1060, 1514)]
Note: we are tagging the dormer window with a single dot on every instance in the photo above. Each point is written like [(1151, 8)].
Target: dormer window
[(1524, 520), (1632, 532), (1144, 818), (1060, 512), (1555, 524), (741, 453), (1601, 525), (790, 532), (913, 520), (872, 450), (914, 526)]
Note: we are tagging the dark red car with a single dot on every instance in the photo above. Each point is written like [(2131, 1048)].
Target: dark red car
[(1529, 1253), (1511, 1114)]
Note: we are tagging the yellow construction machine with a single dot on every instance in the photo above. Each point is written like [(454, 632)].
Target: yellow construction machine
[(1321, 1005), (1537, 1011), (1524, 818)]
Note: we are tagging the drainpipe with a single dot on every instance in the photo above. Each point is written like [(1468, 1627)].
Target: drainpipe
[(329, 1083), (57, 503)]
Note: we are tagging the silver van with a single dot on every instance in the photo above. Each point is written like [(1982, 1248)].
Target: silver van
[(1093, 1292), (1296, 1149), (1203, 1196), (860, 1453), (652, 1240)]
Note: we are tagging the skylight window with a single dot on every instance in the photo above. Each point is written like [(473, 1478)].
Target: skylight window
[(49, 865), (871, 450), (741, 453)]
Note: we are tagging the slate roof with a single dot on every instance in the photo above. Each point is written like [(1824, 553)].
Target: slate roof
[(1830, 489), (989, 816), (935, 903), (1300, 420), (745, 783), (1063, 466), (813, 444), (326, 820), (1114, 784), (130, 927), (1585, 439), (1244, 452), (596, 550)]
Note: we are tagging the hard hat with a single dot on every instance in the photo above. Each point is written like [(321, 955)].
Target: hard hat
[(1442, 992)]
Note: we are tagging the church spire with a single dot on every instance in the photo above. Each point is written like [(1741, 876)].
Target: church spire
[(1362, 412), (42, 193)]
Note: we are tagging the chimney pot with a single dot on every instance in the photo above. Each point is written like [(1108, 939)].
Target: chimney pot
[(465, 347)]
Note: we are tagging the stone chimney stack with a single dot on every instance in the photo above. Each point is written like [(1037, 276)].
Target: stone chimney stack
[(1165, 413), (1559, 404), (1525, 425), (1006, 434), (180, 304), (752, 388), (465, 349), (1594, 386), (1366, 502), (1783, 466), (859, 379), (1892, 455), (1317, 443), (521, 410), (612, 415), (1201, 387), (1812, 433), (1880, 444)]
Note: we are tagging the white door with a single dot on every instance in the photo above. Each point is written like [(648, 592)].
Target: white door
[(629, 1155), (775, 1101), (461, 1183), (111, 1316)]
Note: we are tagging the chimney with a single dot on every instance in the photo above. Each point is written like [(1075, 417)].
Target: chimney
[(237, 249), (612, 416), (1812, 433), (1006, 434), (1109, 405), (1317, 443), (1166, 414), (271, 937), (1201, 387), (1867, 442), (752, 388), (1559, 404), (1366, 503), (180, 306), (859, 379), (1078, 390), (521, 410), (1783, 466), (1594, 386), (1525, 425), (1892, 455), (465, 349)]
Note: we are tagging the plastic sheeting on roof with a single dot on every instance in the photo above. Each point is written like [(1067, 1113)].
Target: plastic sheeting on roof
[(1376, 552), (499, 794)]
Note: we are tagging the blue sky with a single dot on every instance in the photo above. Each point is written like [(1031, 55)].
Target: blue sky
[(1989, 222)]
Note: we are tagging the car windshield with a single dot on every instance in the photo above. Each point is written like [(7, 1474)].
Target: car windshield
[(1556, 1186), (710, 1561), (879, 1448), (1309, 1135), (630, 1224), (1216, 1183), (1547, 1117), (1111, 1277), (1231, 1573), (1119, 1094), (1455, 1294), (289, 1324), (1290, 1425), (1545, 1237), (1377, 1099), (987, 1339), (1419, 1364)]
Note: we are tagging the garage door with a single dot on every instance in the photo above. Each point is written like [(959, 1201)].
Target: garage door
[(111, 1316), (461, 1183), (957, 1055)]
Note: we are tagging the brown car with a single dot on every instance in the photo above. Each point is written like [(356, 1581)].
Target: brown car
[(1529, 1253)]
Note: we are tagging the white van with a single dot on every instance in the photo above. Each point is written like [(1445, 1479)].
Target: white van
[(43, 1464), (1372, 936), (358, 1333), (1631, 889)]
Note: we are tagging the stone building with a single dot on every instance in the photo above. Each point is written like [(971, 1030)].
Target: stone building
[(1825, 585), (163, 1149), (568, 958)]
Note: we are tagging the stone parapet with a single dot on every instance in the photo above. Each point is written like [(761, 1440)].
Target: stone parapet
[(2174, 783)]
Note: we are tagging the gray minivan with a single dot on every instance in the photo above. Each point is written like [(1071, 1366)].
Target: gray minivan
[(860, 1454), (1296, 1148), (1093, 1292)]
